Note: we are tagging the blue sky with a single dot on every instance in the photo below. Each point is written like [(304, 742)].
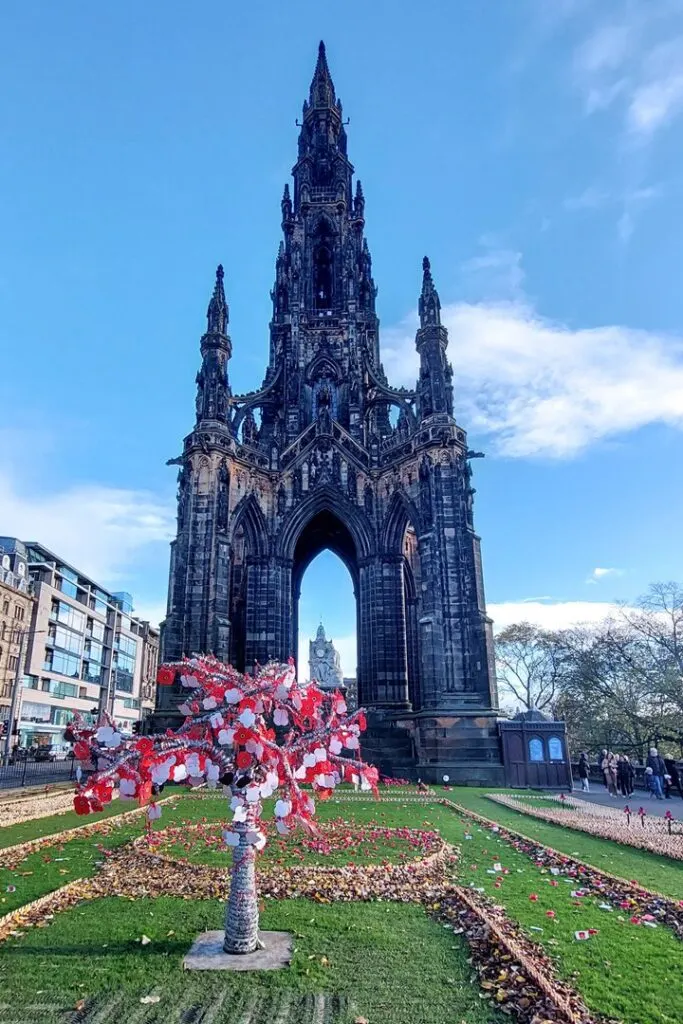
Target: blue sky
[(532, 149)]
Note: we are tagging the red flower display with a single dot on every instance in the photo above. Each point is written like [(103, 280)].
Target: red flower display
[(229, 737), (165, 676)]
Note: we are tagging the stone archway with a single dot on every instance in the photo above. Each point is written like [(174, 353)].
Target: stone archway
[(324, 532)]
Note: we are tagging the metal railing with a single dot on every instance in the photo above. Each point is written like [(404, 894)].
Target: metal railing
[(37, 773)]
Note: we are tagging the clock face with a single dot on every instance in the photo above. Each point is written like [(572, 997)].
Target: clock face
[(320, 652)]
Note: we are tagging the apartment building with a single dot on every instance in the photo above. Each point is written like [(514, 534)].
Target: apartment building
[(86, 652), (16, 611)]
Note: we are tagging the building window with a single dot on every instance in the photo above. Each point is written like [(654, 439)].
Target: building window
[(91, 672), (5, 607), (35, 712), (126, 644), (62, 663), (555, 749), (12, 662), (64, 613), (536, 749), (94, 651), (61, 716), (5, 561), (58, 689), (65, 639), (95, 629), (67, 587), (19, 612)]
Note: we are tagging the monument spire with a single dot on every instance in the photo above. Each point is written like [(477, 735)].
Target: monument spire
[(213, 388), (322, 92)]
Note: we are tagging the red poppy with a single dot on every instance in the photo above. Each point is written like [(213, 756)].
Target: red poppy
[(243, 759), (165, 676), (82, 751), (81, 804), (242, 735), (145, 745)]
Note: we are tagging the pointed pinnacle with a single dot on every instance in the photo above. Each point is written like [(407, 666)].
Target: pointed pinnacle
[(426, 265)]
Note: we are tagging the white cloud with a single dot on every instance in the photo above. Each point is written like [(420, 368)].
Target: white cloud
[(498, 271), (539, 387), (655, 103), (153, 612), (551, 615), (634, 64), (98, 529), (600, 573), (629, 202)]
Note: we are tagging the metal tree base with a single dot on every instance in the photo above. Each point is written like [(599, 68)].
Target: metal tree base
[(207, 954), (242, 916)]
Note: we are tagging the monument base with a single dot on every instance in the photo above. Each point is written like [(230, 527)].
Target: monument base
[(462, 744), (207, 953)]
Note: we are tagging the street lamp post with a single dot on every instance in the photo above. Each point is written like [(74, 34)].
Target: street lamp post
[(16, 689)]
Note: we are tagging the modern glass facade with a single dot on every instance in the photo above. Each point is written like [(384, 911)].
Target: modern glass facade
[(87, 652)]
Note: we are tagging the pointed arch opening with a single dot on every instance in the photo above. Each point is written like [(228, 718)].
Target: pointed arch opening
[(325, 554)]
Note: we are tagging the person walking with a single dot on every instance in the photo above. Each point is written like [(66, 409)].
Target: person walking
[(628, 775), (584, 771), (608, 766), (656, 763), (675, 775), (621, 775)]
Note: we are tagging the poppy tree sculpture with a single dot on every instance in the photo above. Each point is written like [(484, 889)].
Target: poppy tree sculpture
[(258, 737)]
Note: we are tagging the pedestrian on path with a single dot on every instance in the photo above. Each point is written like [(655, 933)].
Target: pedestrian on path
[(628, 773), (608, 766), (656, 763), (584, 771), (672, 770)]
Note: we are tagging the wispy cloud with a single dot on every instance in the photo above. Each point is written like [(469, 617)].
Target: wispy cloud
[(629, 203), (633, 61), (555, 615), (542, 388), (600, 573), (100, 529)]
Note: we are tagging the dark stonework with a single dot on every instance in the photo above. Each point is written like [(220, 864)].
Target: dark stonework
[(310, 460)]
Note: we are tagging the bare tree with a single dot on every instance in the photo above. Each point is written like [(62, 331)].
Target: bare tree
[(529, 664)]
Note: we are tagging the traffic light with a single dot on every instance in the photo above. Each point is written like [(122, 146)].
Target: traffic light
[(136, 728)]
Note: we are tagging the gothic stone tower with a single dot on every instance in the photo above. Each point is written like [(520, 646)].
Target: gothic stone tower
[(315, 459)]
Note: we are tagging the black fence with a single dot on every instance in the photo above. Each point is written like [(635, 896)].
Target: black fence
[(37, 773)]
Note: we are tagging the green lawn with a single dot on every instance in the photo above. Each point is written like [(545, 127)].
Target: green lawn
[(621, 972), (662, 874), (94, 953), (12, 835), (386, 962)]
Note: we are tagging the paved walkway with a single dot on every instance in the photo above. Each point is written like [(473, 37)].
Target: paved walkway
[(599, 795)]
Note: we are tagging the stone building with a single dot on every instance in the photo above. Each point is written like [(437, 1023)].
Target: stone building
[(327, 454), (16, 604), (149, 663), (324, 664)]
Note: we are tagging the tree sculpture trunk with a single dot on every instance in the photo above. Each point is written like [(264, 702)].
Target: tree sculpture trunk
[(241, 915)]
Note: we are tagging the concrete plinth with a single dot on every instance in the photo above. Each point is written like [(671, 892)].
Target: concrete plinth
[(207, 953)]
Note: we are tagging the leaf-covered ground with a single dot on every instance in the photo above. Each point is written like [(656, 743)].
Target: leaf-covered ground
[(381, 961)]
